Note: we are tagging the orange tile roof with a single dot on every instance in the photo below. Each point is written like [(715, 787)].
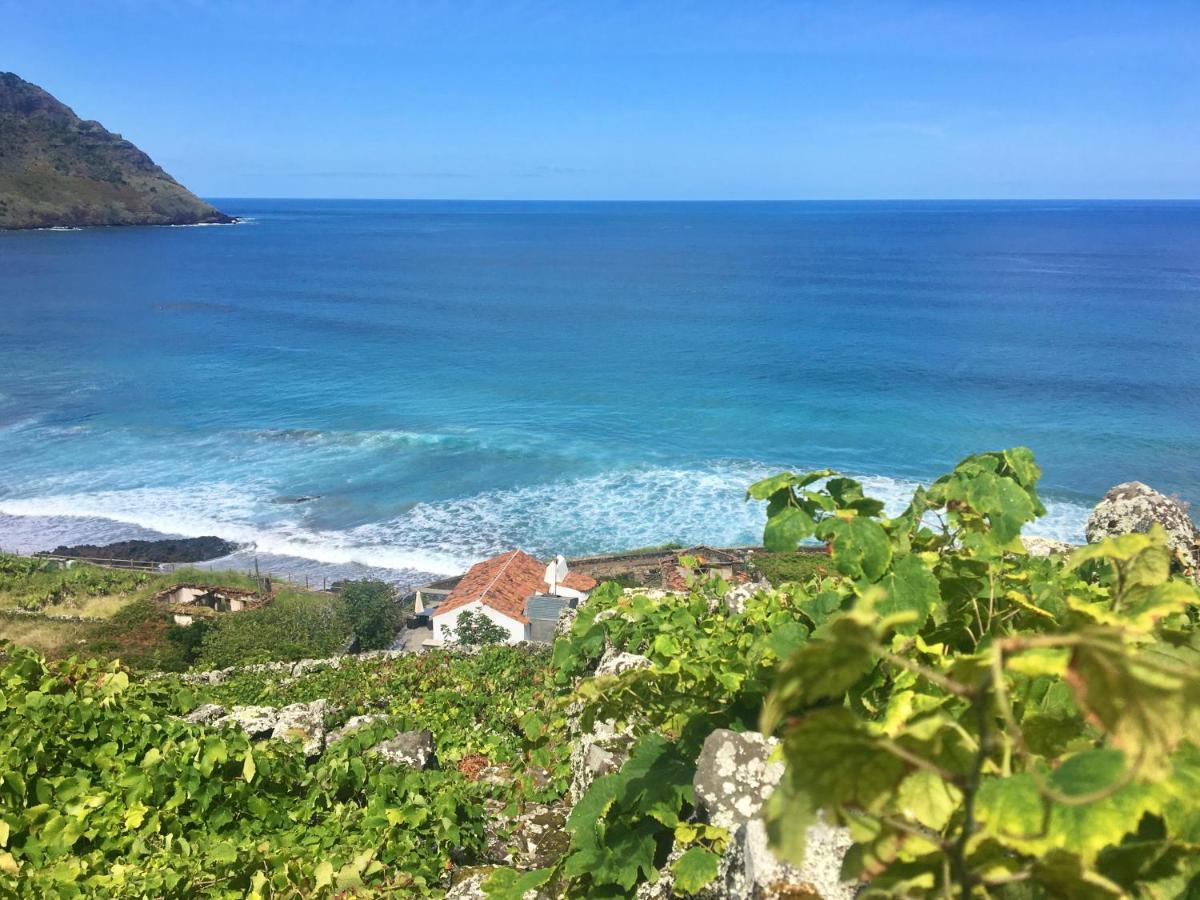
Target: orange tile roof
[(505, 582)]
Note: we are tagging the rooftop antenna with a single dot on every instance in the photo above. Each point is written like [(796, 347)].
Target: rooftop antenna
[(555, 573)]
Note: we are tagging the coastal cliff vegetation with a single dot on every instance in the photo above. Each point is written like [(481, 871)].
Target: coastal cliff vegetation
[(57, 170), (944, 713)]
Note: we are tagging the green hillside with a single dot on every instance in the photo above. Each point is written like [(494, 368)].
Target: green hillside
[(58, 170)]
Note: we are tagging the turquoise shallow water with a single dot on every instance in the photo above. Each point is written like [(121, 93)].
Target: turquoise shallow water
[(451, 379)]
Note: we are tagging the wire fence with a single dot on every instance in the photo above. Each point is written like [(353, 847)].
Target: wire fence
[(145, 565)]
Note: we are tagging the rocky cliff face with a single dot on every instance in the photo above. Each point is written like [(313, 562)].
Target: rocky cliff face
[(59, 170)]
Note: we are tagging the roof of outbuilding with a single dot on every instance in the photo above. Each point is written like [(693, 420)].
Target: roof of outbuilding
[(505, 582), (545, 606)]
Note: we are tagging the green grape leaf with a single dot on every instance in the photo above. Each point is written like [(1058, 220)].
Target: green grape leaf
[(508, 884), (860, 546), (786, 529), (925, 798), (1069, 877), (224, 852), (911, 589), (762, 490), (1022, 466), (1181, 812), (827, 665), (323, 873), (848, 494), (1019, 816), (842, 760), (1004, 503), (695, 869), (788, 814), (248, 767), (1142, 707)]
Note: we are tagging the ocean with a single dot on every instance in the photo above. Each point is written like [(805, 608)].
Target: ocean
[(402, 388)]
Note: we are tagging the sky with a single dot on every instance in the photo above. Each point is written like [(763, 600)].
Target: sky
[(735, 99)]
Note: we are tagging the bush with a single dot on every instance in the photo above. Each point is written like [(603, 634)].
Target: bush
[(373, 613), (293, 626), (987, 723), (137, 635), (477, 630), (189, 638)]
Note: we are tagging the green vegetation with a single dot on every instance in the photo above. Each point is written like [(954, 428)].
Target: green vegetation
[(780, 568), (986, 724), (373, 613), (211, 578), (710, 668), (56, 169), (472, 704), (106, 794), (33, 583), (477, 630), (54, 639), (292, 626), (653, 548), (140, 633)]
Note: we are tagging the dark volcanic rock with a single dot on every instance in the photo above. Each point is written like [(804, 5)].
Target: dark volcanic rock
[(58, 170), (167, 550)]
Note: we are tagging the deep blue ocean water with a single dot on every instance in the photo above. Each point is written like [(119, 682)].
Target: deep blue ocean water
[(452, 379)]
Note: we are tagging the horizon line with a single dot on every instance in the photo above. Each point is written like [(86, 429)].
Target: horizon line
[(1196, 199)]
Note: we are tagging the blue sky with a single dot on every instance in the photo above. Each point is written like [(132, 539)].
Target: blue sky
[(608, 100)]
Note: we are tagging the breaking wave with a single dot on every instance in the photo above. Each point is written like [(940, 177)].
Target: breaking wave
[(610, 511)]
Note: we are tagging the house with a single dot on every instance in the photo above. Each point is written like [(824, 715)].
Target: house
[(709, 562), (515, 591), (187, 601)]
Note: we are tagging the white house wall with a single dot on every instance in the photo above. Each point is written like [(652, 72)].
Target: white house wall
[(517, 631)]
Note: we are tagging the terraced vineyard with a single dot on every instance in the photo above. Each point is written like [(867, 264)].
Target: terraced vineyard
[(933, 712)]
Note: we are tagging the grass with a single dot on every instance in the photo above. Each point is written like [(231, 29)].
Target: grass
[(651, 548), (780, 568), (192, 575), (31, 584), (135, 629), (80, 589), (104, 606), (52, 639)]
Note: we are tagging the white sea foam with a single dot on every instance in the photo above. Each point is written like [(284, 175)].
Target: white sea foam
[(347, 438), (609, 511), (618, 510), (230, 512)]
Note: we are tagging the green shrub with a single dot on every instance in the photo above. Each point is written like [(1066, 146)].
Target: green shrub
[(476, 630), (138, 635), (292, 626), (988, 724), (374, 616), (190, 638)]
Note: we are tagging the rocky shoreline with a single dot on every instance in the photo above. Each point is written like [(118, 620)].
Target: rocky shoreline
[(164, 550)]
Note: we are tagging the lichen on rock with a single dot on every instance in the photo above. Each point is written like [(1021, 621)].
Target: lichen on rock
[(1133, 507)]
